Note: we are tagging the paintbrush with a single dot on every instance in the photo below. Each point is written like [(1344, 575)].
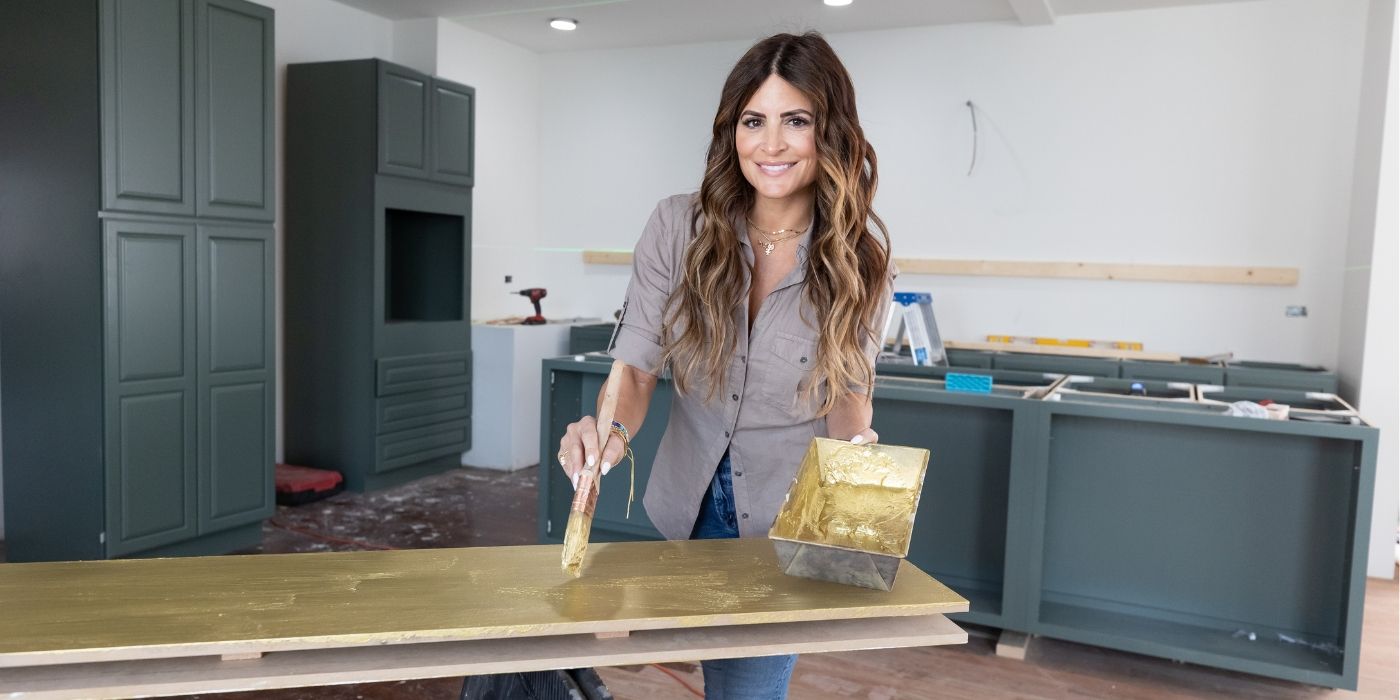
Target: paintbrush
[(586, 495)]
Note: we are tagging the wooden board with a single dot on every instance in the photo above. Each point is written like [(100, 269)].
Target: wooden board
[(1207, 274), (1064, 350), (122, 679), (81, 612)]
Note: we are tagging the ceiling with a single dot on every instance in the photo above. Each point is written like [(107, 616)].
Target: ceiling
[(610, 24)]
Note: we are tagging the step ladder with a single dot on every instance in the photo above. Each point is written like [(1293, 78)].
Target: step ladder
[(913, 312)]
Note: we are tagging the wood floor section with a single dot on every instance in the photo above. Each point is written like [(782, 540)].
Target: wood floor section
[(470, 507)]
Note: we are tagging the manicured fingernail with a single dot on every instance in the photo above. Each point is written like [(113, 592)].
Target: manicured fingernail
[(574, 479), (857, 439), (590, 460), (606, 467)]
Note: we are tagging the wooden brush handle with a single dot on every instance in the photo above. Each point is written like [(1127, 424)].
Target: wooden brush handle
[(608, 408), (586, 496)]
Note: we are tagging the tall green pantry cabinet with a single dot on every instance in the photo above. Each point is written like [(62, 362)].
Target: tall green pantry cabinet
[(136, 276), (379, 182)]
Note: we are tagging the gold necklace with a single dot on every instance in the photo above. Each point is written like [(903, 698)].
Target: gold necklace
[(772, 237)]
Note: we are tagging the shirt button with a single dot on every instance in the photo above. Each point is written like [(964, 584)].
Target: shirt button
[(735, 397), (726, 433), (745, 516), (803, 360), (741, 358), (738, 473)]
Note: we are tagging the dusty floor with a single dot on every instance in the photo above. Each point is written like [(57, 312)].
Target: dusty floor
[(471, 507)]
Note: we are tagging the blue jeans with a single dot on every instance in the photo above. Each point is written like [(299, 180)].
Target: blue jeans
[(755, 678)]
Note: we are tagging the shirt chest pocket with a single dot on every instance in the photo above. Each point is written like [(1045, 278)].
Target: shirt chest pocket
[(787, 373)]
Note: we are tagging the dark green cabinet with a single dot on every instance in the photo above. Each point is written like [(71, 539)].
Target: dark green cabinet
[(147, 83), (233, 109), (453, 124), (378, 270), (187, 108), (425, 125), (136, 277), (150, 379), (236, 429), (403, 121)]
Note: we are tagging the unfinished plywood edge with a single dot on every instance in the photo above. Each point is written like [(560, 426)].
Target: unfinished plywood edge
[(241, 656), (1200, 274), (1104, 353), (320, 667)]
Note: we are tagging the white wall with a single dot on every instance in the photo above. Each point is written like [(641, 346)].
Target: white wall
[(315, 30), (506, 199), (1214, 135), (1379, 380)]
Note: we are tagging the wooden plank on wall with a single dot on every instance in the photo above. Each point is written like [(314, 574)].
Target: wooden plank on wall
[(1200, 274)]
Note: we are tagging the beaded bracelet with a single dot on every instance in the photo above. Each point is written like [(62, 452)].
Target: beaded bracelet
[(620, 430)]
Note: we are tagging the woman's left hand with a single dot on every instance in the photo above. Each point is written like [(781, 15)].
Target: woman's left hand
[(865, 437)]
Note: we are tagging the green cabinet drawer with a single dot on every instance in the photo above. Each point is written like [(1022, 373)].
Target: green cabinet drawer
[(439, 370), (406, 448), (421, 408)]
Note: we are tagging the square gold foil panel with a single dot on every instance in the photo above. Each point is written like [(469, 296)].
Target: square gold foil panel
[(849, 515)]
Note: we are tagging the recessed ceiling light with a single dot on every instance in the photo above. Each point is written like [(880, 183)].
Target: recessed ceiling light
[(564, 24), (837, 3)]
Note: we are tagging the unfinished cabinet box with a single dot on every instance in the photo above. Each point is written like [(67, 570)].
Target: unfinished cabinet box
[(136, 273), (1152, 525), (378, 272)]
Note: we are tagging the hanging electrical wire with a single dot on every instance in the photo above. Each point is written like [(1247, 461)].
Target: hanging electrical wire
[(972, 109)]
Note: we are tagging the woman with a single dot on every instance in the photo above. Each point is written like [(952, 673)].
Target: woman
[(765, 295)]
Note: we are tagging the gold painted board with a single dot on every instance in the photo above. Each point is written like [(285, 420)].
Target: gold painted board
[(318, 667), (73, 612)]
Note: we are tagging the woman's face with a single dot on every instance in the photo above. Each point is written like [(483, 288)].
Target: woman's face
[(776, 140)]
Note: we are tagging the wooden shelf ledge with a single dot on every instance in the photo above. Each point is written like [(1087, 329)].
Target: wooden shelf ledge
[(1198, 274)]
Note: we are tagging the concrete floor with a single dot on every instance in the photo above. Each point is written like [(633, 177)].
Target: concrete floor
[(471, 507)]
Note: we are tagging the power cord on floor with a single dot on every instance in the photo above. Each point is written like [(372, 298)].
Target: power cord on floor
[(374, 545), (678, 679)]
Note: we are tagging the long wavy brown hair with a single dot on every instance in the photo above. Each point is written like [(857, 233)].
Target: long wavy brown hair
[(848, 260)]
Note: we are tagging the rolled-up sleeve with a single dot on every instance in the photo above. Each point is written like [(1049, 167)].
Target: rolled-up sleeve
[(637, 339)]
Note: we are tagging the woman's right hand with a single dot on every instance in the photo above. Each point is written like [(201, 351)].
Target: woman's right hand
[(579, 448)]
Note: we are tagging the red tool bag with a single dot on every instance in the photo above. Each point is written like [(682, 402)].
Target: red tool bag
[(298, 485)]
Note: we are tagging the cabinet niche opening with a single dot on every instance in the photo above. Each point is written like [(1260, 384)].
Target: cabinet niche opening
[(423, 260)]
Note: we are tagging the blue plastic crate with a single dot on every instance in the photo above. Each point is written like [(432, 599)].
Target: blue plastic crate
[(969, 383)]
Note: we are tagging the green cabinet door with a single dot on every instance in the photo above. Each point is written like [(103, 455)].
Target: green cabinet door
[(235, 387), (233, 109), (453, 132), (403, 121), (149, 384), (147, 86)]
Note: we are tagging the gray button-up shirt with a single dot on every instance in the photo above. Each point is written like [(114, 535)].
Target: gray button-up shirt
[(760, 414)]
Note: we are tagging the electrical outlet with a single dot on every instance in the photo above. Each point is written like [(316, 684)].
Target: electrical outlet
[(1295, 311)]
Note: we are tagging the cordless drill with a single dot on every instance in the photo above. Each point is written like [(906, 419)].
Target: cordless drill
[(535, 294)]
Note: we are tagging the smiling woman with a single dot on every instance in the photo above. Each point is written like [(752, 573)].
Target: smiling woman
[(766, 350)]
